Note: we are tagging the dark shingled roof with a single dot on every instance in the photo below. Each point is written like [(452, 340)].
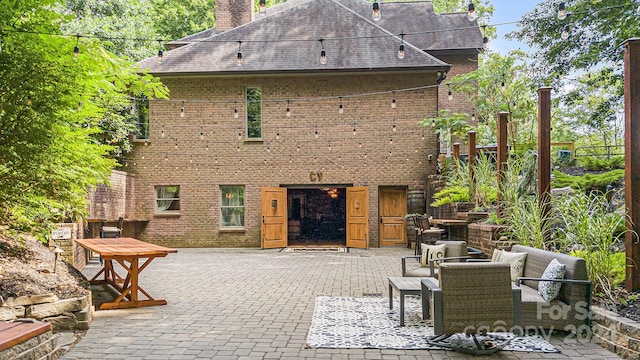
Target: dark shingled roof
[(286, 40)]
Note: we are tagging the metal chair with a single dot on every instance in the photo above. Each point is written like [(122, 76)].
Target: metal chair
[(112, 231), (473, 299)]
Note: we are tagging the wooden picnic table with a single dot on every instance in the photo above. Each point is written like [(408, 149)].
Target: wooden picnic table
[(127, 252), (448, 224)]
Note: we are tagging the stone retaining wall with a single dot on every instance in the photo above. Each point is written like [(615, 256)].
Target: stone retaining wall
[(486, 237), (616, 333), (63, 315)]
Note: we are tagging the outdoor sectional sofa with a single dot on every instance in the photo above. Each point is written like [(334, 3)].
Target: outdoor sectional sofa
[(570, 309)]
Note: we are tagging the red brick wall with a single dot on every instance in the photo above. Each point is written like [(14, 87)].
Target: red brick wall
[(200, 166), (110, 201), (233, 13)]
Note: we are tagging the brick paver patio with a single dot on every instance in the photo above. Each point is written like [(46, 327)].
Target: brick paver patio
[(256, 304)]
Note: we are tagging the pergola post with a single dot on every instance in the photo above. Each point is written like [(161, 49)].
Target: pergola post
[(544, 154), (501, 156), (456, 154), (632, 160)]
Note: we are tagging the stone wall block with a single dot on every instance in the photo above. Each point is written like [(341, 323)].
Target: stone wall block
[(42, 311), (35, 299)]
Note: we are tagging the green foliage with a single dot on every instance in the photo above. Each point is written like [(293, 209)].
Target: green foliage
[(588, 181), (606, 267), (448, 125), (588, 225), (451, 195), (593, 163), (176, 19), (527, 224), (51, 149)]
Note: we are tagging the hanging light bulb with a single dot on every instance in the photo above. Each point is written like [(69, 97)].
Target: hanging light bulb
[(391, 141), (473, 116), (239, 135), (471, 12), (76, 49), (401, 48), (132, 109), (376, 15), (182, 109), (565, 33), (394, 127), (393, 103), (288, 112), (485, 43), (239, 59), (360, 144), (422, 134), (449, 93), (298, 148), (162, 132), (503, 86), (433, 122), (354, 129), (79, 105), (316, 134), (340, 107), (176, 145), (201, 133), (235, 111), (562, 11), (323, 54), (29, 101), (160, 52), (278, 135), (262, 9)]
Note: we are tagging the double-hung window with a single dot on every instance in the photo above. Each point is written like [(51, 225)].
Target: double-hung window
[(168, 199), (253, 101), (141, 115), (232, 206)]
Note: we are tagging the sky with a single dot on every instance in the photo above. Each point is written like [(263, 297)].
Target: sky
[(509, 11)]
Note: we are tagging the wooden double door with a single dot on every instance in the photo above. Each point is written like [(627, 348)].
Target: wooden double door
[(274, 217)]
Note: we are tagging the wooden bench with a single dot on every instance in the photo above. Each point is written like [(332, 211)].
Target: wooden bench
[(17, 332)]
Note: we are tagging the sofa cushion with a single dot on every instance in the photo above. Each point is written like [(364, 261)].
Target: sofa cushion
[(515, 260), (421, 272), (454, 249), (432, 252), (547, 289)]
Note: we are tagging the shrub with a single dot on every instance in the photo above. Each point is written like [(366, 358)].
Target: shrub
[(588, 181), (592, 163)]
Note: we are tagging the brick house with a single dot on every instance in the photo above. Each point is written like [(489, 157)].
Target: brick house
[(287, 149)]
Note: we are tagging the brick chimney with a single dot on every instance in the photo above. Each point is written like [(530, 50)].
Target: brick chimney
[(233, 13)]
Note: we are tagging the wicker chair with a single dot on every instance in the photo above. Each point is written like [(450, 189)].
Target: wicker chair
[(473, 299), (456, 251)]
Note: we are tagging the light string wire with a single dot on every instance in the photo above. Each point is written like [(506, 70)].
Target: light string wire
[(235, 41)]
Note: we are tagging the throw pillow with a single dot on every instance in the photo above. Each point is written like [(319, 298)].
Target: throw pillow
[(547, 289), (515, 261), (430, 252), (496, 255)]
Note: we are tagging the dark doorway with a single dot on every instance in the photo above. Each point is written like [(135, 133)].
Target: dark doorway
[(316, 216)]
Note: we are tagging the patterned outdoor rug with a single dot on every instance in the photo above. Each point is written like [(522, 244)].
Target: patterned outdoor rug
[(314, 249), (347, 322)]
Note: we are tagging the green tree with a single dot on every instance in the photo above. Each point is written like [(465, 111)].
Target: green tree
[(50, 106), (501, 83), (176, 19), (596, 30)]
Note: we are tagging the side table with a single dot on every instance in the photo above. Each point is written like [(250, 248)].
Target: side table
[(405, 286)]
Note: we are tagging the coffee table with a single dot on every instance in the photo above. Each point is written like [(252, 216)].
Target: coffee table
[(405, 286)]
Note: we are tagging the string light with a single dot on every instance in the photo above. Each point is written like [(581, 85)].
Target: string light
[(288, 112), (471, 13), (235, 110), (239, 59), (503, 86), (278, 135), (473, 116), (394, 126), (323, 54), (433, 122), (354, 129), (316, 134), (485, 39), (565, 32), (29, 101), (376, 15), (393, 103), (340, 107), (562, 11), (76, 49), (182, 110), (449, 93), (401, 48), (262, 7), (162, 132), (160, 52), (201, 133)]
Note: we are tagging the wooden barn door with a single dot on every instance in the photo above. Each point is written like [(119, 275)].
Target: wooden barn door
[(392, 208), (358, 217), (274, 218)]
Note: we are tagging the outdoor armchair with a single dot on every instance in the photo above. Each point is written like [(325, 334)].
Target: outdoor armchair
[(474, 299)]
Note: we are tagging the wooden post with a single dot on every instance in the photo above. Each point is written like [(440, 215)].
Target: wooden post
[(632, 159), (456, 154), (544, 154), (471, 141), (502, 156)]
